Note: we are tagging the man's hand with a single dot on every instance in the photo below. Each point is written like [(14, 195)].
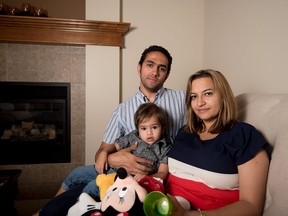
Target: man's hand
[(133, 164), (101, 162), (101, 157)]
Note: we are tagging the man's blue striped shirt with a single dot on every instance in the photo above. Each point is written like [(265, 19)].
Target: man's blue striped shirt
[(122, 119)]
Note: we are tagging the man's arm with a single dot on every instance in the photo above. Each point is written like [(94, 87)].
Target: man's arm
[(133, 164), (101, 157)]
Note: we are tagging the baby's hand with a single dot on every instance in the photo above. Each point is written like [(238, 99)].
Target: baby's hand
[(139, 176)]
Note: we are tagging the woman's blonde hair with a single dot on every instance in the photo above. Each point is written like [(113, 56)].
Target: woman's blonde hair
[(228, 111)]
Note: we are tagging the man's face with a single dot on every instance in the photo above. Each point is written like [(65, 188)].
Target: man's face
[(153, 72)]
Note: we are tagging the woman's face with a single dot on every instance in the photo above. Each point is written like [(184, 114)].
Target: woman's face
[(205, 100)]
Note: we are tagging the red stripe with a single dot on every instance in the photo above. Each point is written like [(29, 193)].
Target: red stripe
[(200, 195)]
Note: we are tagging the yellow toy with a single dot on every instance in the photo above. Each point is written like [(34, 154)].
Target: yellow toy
[(104, 181)]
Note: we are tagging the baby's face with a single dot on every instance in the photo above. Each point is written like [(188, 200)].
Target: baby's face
[(150, 130)]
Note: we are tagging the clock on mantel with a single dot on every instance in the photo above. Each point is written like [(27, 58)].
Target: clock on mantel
[(45, 30)]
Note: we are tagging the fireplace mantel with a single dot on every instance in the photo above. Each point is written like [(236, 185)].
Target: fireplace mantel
[(44, 30)]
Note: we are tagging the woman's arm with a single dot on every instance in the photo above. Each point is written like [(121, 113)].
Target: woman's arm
[(252, 185)]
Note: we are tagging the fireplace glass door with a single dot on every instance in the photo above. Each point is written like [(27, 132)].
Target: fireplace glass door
[(34, 123)]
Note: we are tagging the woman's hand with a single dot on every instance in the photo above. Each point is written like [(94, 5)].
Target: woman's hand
[(133, 164), (178, 209)]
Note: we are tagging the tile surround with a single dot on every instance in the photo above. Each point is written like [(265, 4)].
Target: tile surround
[(48, 63)]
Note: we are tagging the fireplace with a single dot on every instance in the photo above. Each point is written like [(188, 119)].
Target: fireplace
[(34, 123)]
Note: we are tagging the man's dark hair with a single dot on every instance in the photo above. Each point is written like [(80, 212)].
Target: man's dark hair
[(156, 48)]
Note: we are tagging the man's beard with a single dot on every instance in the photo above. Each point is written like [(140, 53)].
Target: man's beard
[(152, 89)]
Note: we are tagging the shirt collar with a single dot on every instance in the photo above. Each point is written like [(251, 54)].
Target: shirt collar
[(143, 97)]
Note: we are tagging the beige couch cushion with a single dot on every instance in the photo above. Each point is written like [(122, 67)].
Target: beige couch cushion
[(269, 114)]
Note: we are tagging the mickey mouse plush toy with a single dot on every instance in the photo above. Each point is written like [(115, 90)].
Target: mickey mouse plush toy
[(124, 197)]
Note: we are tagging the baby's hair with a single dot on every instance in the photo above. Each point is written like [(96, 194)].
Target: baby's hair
[(148, 110)]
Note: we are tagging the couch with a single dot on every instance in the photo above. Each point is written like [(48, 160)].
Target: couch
[(269, 114)]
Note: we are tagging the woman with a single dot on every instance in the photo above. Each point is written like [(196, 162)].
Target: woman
[(220, 165)]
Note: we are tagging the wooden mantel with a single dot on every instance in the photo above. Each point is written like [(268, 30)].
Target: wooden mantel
[(25, 29)]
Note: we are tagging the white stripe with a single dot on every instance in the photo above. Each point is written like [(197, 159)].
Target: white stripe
[(211, 179)]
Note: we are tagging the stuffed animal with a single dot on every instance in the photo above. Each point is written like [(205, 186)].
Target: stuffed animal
[(104, 181), (85, 205), (124, 197), (152, 184)]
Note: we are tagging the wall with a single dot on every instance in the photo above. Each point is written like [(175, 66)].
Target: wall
[(102, 78), (176, 25), (247, 41)]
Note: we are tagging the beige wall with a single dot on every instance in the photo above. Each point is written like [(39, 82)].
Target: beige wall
[(176, 25), (247, 41), (102, 78)]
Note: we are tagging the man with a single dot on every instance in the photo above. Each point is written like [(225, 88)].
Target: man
[(153, 69)]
